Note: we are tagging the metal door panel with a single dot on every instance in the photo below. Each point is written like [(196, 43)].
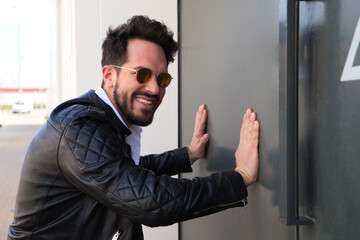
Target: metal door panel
[(329, 120)]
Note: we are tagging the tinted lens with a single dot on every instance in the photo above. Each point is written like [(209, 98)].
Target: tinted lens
[(143, 75), (164, 79)]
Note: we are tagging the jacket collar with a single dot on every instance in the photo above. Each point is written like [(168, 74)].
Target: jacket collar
[(99, 103), (92, 99)]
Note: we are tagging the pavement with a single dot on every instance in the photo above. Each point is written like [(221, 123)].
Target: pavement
[(36, 117), (15, 136)]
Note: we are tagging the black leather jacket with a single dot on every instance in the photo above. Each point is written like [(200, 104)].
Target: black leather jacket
[(79, 182)]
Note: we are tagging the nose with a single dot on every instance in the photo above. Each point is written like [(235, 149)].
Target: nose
[(152, 86)]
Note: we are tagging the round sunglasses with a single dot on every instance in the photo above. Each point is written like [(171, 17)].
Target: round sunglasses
[(143, 75)]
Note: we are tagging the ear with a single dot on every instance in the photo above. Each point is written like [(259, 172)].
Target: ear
[(109, 76)]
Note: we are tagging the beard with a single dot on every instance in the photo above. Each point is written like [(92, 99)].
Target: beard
[(126, 108)]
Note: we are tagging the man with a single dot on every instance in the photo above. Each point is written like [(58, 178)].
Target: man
[(82, 176)]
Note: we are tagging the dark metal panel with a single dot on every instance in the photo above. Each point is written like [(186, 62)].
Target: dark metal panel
[(232, 57), (329, 120)]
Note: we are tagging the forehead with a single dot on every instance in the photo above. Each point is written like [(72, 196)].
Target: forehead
[(146, 53)]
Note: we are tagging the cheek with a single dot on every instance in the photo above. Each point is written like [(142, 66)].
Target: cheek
[(128, 89), (162, 94), (129, 84)]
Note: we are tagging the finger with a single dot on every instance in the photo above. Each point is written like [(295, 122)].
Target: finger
[(247, 113), (198, 115), (252, 117), (200, 121), (257, 132), (248, 116), (205, 138), (203, 120), (197, 119)]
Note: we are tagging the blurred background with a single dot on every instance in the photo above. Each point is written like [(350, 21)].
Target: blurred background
[(27, 33), (27, 54), (50, 51)]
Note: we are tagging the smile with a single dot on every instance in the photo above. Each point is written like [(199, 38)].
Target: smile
[(144, 101)]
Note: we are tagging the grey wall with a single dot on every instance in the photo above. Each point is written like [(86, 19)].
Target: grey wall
[(230, 60)]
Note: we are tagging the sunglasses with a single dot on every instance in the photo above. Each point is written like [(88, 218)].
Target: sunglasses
[(143, 75)]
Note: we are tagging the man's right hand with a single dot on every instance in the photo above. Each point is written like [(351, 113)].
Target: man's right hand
[(247, 154)]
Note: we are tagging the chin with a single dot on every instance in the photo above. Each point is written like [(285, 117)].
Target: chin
[(143, 123), (142, 120)]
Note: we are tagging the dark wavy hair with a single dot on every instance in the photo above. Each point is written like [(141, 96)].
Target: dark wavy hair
[(114, 47)]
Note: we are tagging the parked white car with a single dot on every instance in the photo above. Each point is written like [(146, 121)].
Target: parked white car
[(1, 119), (22, 107)]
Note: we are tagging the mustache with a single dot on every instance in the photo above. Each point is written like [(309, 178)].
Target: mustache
[(156, 97)]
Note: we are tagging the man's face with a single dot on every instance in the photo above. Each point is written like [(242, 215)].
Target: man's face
[(137, 102)]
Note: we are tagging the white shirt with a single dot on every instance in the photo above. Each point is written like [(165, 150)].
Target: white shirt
[(134, 139)]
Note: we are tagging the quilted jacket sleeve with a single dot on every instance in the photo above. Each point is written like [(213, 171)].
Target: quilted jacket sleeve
[(91, 158), (170, 163)]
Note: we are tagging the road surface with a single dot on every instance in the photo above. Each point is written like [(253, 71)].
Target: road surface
[(15, 136)]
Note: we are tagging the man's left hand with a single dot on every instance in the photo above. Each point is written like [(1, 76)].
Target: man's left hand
[(196, 148)]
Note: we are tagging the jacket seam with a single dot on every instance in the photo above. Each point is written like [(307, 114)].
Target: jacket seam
[(41, 206)]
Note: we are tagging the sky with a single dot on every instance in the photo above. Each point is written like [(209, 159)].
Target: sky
[(26, 25)]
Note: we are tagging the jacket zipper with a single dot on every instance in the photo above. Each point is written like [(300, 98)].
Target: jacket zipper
[(116, 235), (244, 200)]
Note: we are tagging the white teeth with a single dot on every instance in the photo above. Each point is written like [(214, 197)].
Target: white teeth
[(144, 101)]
